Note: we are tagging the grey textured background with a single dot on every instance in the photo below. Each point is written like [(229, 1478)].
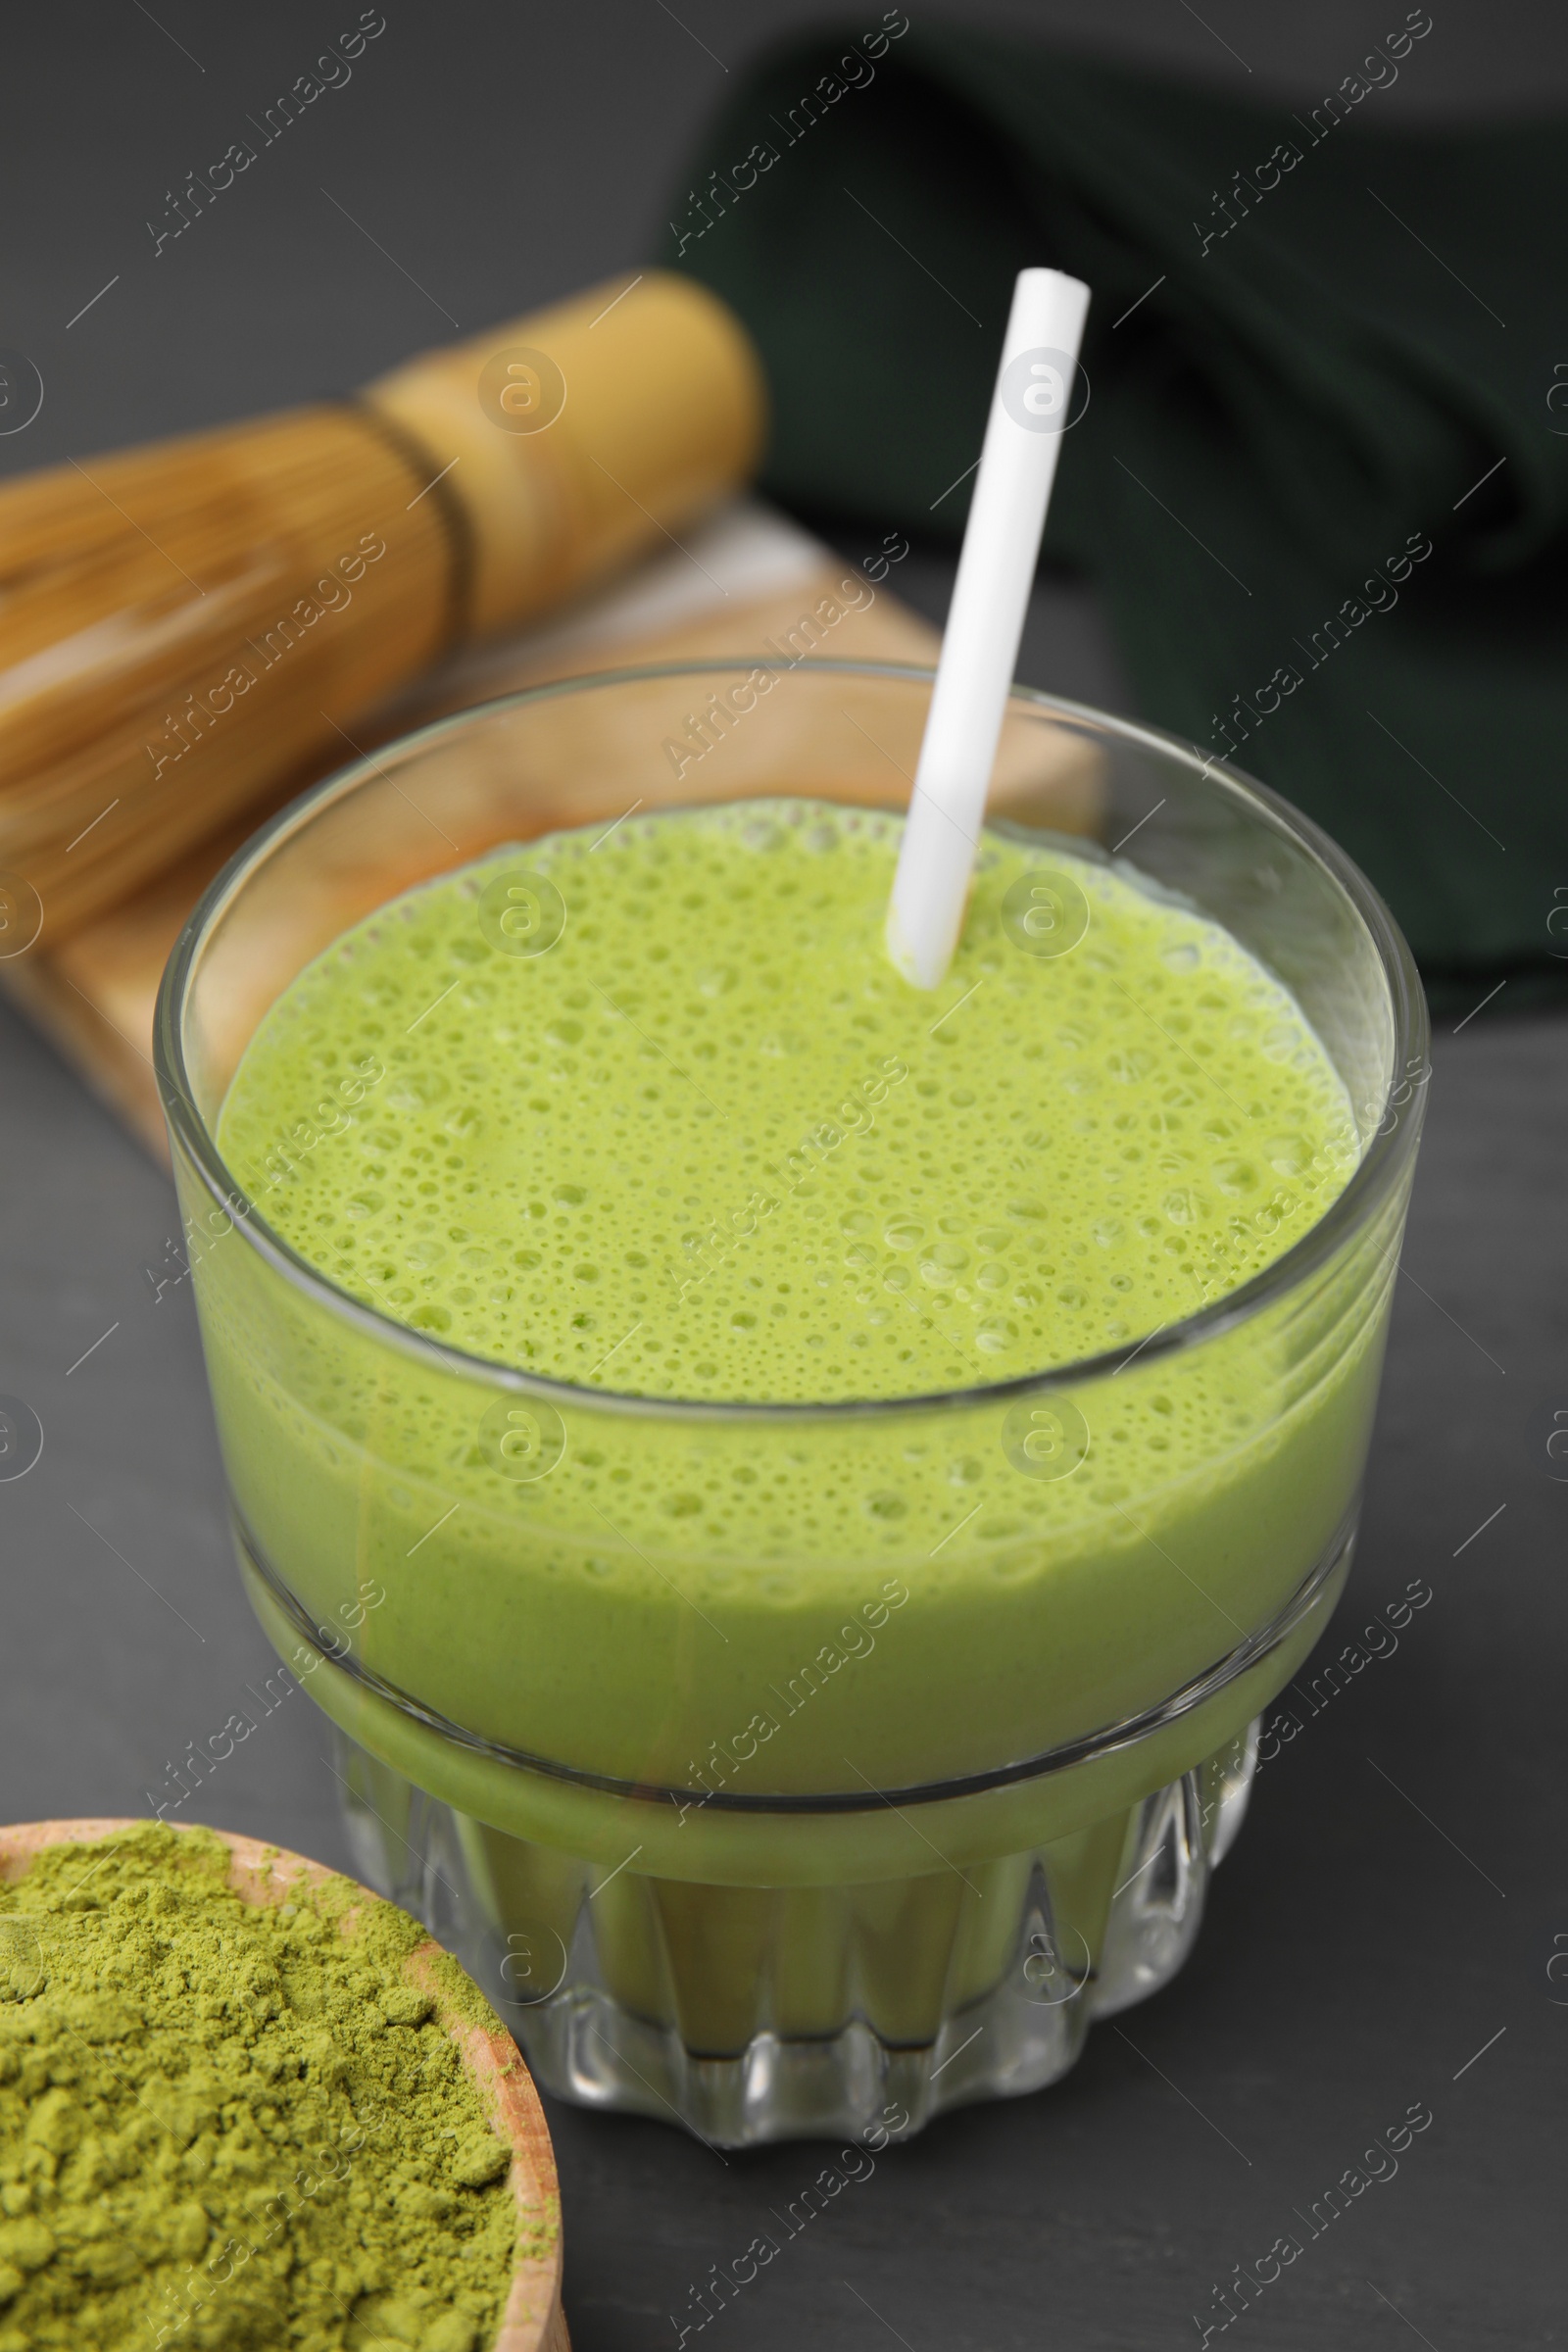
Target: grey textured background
[(1362, 1943)]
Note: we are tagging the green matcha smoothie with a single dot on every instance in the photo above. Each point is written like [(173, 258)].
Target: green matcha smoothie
[(650, 1114), (794, 1490), (697, 1138)]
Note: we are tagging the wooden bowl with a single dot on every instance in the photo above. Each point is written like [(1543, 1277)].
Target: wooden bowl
[(534, 2320)]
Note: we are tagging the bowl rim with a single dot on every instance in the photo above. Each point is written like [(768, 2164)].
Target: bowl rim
[(1381, 1169)]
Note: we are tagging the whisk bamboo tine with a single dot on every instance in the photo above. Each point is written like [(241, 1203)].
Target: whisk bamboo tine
[(174, 620)]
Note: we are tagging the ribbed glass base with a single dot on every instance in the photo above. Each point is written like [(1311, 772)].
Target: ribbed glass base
[(758, 2014)]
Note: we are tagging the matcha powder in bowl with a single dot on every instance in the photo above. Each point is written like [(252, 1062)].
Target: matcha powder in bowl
[(245, 2105)]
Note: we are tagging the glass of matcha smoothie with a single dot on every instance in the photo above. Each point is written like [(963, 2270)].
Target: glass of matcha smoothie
[(792, 1490)]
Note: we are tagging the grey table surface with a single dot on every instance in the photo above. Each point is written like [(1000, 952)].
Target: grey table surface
[(1385, 1931)]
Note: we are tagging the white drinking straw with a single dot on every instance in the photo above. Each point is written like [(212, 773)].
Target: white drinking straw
[(1030, 407)]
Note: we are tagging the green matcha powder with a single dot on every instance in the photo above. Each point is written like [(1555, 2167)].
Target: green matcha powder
[(233, 2127)]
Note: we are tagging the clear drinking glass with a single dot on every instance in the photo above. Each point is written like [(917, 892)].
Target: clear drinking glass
[(751, 1802)]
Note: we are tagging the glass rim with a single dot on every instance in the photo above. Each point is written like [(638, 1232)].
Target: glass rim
[(1378, 1170)]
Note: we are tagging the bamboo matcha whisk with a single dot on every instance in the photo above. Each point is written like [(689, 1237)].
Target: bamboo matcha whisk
[(181, 624)]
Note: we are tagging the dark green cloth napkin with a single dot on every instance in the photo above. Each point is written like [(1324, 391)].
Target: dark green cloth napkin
[(1322, 478)]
